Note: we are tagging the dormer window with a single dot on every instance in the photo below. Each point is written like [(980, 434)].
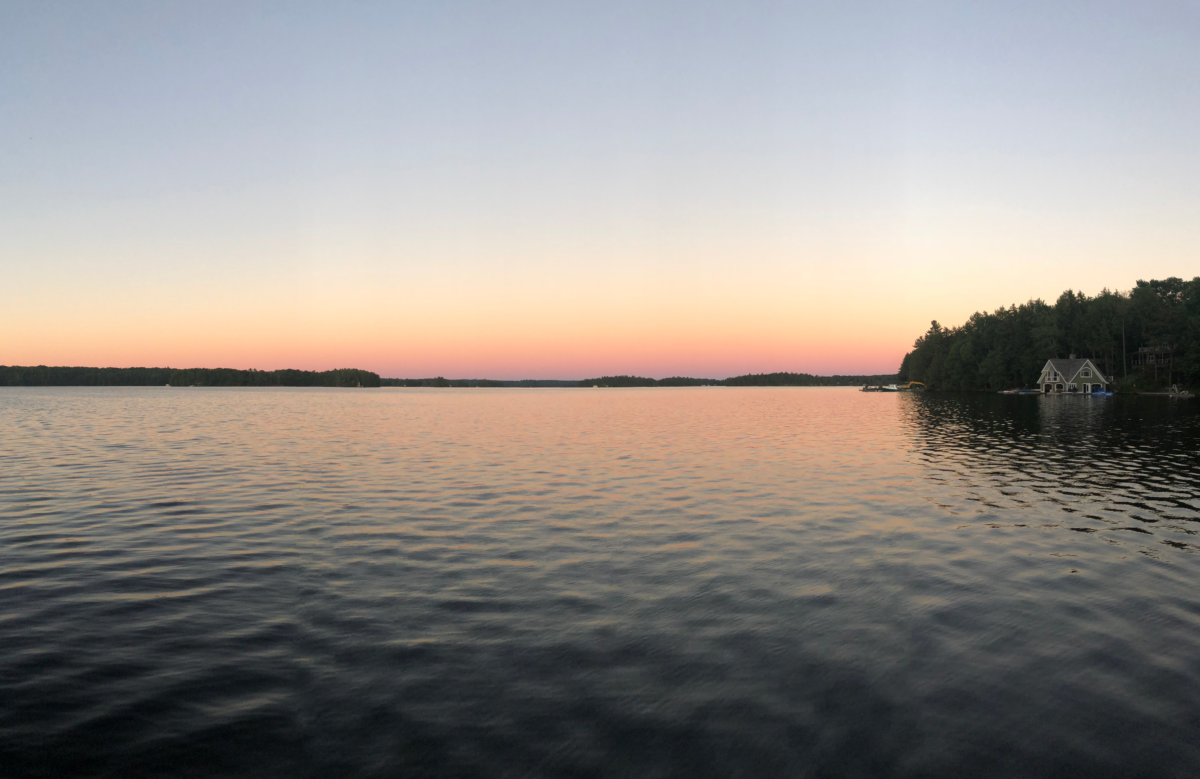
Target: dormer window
[(1086, 373)]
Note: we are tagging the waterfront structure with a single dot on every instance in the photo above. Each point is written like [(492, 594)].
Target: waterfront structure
[(1149, 360), (1072, 375)]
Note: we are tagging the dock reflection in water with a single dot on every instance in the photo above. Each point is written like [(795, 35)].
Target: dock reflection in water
[(643, 582)]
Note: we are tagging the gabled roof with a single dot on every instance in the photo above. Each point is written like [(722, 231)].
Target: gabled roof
[(1069, 369)]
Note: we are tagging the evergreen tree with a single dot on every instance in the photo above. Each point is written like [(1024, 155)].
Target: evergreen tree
[(1008, 347)]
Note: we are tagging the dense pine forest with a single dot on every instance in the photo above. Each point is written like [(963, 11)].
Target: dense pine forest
[(42, 376), (1145, 338)]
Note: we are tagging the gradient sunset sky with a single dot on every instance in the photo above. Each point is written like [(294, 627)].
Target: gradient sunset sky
[(563, 190)]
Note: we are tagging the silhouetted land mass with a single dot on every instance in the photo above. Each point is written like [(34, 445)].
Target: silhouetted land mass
[(684, 381), (749, 380), (805, 380), (752, 380), (443, 382), (43, 376), (619, 381), (1146, 338)]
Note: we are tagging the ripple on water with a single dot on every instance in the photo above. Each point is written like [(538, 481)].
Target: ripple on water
[(750, 581)]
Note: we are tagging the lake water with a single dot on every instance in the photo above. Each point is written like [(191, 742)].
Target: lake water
[(656, 582)]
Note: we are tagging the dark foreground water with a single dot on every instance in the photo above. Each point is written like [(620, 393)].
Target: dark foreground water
[(668, 582)]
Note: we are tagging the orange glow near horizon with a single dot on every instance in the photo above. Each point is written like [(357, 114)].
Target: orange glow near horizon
[(505, 353), (700, 328), (571, 190)]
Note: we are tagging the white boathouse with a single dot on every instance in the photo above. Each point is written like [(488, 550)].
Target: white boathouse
[(1072, 375)]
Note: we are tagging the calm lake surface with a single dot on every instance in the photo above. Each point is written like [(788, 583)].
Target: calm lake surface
[(648, 582)]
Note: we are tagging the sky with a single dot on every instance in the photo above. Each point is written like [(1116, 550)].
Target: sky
[(570, 189)]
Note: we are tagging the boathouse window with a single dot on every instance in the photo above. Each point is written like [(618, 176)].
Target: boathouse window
[(1086, 373)]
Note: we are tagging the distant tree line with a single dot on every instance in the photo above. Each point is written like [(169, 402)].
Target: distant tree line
[(440, 381), (684, 381), (619, 381), (437, 382), (749, 380), (43, 376), (1009, 347), (806, 380)]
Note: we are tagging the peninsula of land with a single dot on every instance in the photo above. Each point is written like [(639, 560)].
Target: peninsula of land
[(1145, 339)]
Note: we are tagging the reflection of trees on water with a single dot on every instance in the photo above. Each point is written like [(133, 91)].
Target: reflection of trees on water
[(1114, 464)]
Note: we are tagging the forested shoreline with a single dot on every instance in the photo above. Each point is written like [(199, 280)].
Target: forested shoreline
[(43, 376), (1008, 347), (749, 380), (806, 380), (441, 381)]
